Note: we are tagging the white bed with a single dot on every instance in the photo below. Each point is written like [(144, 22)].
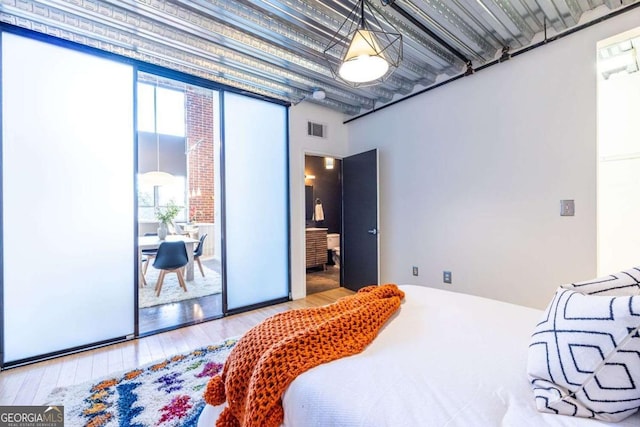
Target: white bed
[(445, 359)]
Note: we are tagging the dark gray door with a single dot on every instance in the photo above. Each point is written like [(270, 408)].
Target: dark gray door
[(359, 248)]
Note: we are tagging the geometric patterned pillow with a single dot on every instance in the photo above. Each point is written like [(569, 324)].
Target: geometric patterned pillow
[(619, 284), (584, 356)]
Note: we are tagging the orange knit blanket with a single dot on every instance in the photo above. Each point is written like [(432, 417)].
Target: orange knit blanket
[(272, 354)]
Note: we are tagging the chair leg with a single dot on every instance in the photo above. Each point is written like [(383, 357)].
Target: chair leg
[(160, 280), (146, 266), (143, 282), (200, 265), (183, 285)]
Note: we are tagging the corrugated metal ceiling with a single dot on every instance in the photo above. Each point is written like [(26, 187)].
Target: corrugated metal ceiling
[(275, 48)]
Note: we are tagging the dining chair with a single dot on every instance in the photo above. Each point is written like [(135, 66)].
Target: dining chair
[(144, 260), (198, 252), (180, 230), (171, 258), (149, 253)]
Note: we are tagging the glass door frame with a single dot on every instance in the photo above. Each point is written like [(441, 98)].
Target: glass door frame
[(139, 66)]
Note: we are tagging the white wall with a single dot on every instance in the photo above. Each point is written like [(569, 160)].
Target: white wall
[(335, 145), (471, 174)]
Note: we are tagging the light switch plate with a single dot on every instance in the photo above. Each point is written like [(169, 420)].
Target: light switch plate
[(567, 208), (446, 276)]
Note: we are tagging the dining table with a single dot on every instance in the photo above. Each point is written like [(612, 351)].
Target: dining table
[(153, 242)]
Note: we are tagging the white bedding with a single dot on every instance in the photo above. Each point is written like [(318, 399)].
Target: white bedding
[(445, 359)]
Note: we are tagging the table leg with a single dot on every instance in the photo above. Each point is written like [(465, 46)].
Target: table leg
[(141, 280), (189, 247)]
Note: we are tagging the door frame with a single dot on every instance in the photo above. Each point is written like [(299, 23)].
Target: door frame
[(300, 207)]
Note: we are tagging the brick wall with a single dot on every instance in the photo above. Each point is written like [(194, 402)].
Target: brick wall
[(199, 106)]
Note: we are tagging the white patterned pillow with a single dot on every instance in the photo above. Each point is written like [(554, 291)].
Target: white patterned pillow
[(619, 284), (584, 357)]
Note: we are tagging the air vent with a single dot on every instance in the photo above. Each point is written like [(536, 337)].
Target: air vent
[(316, 129)]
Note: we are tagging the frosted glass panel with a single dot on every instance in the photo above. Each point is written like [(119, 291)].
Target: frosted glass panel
[(257, 242), (67, 165), (618, 213)]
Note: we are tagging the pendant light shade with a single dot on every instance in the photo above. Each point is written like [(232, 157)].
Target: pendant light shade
[(156, 178), (364, 52), (364, 60)]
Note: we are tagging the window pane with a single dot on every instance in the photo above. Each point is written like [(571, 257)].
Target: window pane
[(175, 193), (146, 109), (146, 214), (145, 195), (170, 111)]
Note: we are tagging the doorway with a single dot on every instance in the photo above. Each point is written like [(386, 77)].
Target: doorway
[(176, 137), (323, 222)]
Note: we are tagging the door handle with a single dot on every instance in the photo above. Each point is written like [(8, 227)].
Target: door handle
[(373, 231)]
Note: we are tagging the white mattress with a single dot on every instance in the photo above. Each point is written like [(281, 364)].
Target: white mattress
[(445, 359)]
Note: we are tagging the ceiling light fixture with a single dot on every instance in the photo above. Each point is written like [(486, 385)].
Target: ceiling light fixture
[(156, 178), (329, 162), (318, 94), (367, 53)]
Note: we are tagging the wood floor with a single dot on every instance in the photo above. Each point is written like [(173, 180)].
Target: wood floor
[(320, 280), (30, 385), (167, 316)]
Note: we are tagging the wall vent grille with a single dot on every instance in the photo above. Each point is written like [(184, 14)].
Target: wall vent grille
[(316, 129)]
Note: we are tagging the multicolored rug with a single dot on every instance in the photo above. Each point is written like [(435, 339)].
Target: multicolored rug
[(166, 394)]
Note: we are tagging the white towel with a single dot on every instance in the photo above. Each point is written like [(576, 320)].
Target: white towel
[(319, 213)]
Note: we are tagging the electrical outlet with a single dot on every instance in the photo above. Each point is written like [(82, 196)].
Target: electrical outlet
[(415, 270), (446, 276)]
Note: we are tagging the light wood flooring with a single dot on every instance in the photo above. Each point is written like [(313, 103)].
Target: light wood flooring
[(31, 384)]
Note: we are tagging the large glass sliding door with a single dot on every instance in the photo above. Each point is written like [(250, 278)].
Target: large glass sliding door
[(256, 202), (68, 258), (73, 178)]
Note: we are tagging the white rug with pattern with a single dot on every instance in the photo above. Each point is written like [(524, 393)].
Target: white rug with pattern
[(210, 284)]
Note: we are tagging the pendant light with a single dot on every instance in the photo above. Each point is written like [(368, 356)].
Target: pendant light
[(367, 51), (364, 60), (156, 178)]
